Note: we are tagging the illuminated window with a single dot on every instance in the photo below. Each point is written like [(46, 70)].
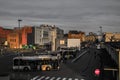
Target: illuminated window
[(62, 42)]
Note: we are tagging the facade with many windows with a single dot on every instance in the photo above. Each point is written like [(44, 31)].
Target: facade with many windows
[(45, 36)]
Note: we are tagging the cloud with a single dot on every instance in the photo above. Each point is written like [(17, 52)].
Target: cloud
[(86, 15)]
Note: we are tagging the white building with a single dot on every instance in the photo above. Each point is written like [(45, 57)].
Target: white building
[(73, 43), (46, 35)]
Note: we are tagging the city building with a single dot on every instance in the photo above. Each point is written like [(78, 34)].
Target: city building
[(76, 35), (112, 37), (24, 34), (91, 37), (74, 43), (56, 35), (3, 35), (14, 39), (18, 37), (45, 36)]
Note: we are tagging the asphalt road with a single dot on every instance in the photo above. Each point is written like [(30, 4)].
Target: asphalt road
[(93, 59), (80, 69), (86, 64), (65, 73)]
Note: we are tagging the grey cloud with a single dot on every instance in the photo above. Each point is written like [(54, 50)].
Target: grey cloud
[(81, 14)]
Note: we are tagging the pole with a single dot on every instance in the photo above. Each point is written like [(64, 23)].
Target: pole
[(19, 20)]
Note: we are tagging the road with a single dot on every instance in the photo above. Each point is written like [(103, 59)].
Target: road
[(86, 64), (80, 69), (65, 73)]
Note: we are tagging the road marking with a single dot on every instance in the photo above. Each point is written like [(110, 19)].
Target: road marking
[(34, 78), (69, 78), (52, 78), (47, 77), (79, 56), (59, 78), (41, 78), (64, 79), (76, 79)]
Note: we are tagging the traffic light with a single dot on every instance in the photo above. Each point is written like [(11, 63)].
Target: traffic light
[(97, 72)]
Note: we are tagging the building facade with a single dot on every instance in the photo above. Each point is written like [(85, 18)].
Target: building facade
[(77, 35), (45, 36), (14, 39), (3, 34), (112, 37), (24, 34), (18, 37), (56, 35)]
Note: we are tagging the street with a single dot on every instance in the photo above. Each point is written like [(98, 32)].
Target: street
[(82, 68)]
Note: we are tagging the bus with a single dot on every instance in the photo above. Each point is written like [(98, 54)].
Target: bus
[(42, 62)]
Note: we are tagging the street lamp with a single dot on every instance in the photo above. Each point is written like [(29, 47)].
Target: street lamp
[(19, 20)]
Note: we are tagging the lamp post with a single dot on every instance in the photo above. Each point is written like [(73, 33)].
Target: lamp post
[(19, 20)]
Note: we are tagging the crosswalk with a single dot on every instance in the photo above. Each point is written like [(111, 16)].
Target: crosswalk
[(54, 78)]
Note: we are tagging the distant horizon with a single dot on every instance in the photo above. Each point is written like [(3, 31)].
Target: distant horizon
[(12, 27)]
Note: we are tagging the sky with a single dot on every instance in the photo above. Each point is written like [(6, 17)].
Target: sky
[(81, 15)]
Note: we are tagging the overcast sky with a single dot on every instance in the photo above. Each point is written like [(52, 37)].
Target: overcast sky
[(84, 15)]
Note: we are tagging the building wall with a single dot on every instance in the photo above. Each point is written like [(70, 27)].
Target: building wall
[(18, 37), (44, 36), (112, 37), (53, 38), (60, 43), (13, 40), (80, 35), (73, 43), (31, 37), (25, 30), (3, 34), (38, 35), (56, 34), (91, 37), (47, 35)]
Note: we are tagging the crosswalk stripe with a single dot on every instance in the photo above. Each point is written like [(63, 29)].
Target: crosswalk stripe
[(82, 79), (76, 79), (34, 78), (53, 78), (41, 78), (47, 77), (59, 78), (64, 79), (69, 78)]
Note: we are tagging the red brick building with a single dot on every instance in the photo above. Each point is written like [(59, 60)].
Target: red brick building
[(17, 38), (25, 30), (3, 34)]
